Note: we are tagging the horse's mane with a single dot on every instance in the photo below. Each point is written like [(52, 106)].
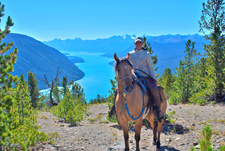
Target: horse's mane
[(122, 60)]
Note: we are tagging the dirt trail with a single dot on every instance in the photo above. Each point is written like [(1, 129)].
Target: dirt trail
[(100, 136)]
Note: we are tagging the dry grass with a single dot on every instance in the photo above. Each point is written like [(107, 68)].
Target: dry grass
[(44, 117), (92, 120), (192, 128)]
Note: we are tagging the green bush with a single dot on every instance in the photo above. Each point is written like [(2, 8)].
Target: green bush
[(111, 99), (175, 98), (19, 131), (201, 97), (168, 117), (206, 143), (70, 108)]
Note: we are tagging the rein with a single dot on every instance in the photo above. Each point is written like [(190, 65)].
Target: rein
[(145, 74), (124, 95)]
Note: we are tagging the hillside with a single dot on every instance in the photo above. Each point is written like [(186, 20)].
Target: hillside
[(41, 59)]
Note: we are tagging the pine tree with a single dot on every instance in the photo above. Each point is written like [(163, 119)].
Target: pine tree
[(33, 89), (17, 120), (6, 80), (213, 27), (64, 84), (190, 70), (78, 92), (56, 91), (166, 80), (22, 128), (185, 75), (22, 99)]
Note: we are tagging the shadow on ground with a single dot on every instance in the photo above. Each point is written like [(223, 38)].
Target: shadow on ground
[(166, 129), (167, 148)]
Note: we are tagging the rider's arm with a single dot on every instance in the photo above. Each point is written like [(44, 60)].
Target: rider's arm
[(150, 66)]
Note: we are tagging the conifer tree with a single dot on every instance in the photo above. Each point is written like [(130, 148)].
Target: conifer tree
[(190, 70), (64, 84), (6, 80), (78, 92), (166, 80), (33, 89), (184, 85), (56, 91), (17, 121), (212, 25), (22, 99)]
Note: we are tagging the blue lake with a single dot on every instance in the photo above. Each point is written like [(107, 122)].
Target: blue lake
[(98, 73)]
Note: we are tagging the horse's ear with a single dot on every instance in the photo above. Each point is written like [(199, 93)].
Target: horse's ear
[(127, 55), (116, 58)]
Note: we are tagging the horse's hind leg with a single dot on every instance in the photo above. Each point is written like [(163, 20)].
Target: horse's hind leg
[(157, 129), (137, 134), (126, 135), (155, 132), (159, 133), (154, 128)]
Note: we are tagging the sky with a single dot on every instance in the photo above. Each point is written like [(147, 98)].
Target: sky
[(91, 19)]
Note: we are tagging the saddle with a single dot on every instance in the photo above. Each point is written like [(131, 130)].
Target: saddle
[(136, 77), (142, 84)]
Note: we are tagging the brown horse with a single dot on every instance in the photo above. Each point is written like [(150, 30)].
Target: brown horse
[(131, 94)]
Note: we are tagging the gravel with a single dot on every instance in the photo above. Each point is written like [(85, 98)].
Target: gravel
[(189, 119)]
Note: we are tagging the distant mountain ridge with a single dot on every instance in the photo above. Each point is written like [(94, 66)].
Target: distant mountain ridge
[(41, 59), (169, 48), (114, 43)]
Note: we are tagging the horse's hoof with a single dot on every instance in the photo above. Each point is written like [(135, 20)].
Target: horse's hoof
[(154, 143), (158, 145)]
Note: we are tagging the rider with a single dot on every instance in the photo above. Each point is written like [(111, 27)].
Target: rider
[(142, 63)]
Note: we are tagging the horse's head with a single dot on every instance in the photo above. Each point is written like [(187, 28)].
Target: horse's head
[(123, 69)]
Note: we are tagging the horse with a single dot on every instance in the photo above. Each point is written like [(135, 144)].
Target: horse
[(130, 102)]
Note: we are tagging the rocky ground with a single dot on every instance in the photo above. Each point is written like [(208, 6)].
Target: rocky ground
[(95, 134)]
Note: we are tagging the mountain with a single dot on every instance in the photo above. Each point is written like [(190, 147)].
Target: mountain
[(112, 44), (41, 59), (169, 48)]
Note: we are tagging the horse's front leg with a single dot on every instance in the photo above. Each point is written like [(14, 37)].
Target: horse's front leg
[(125, 128), (137, 133)]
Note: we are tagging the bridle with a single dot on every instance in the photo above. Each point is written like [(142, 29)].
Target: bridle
[(126, 77)]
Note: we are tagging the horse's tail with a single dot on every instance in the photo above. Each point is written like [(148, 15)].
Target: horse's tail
[(162, 94), (150, 105)]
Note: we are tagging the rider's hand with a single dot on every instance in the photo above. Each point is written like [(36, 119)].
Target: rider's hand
[(156, 83)]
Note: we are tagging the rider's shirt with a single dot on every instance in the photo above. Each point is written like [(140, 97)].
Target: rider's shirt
[(141, 59)]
